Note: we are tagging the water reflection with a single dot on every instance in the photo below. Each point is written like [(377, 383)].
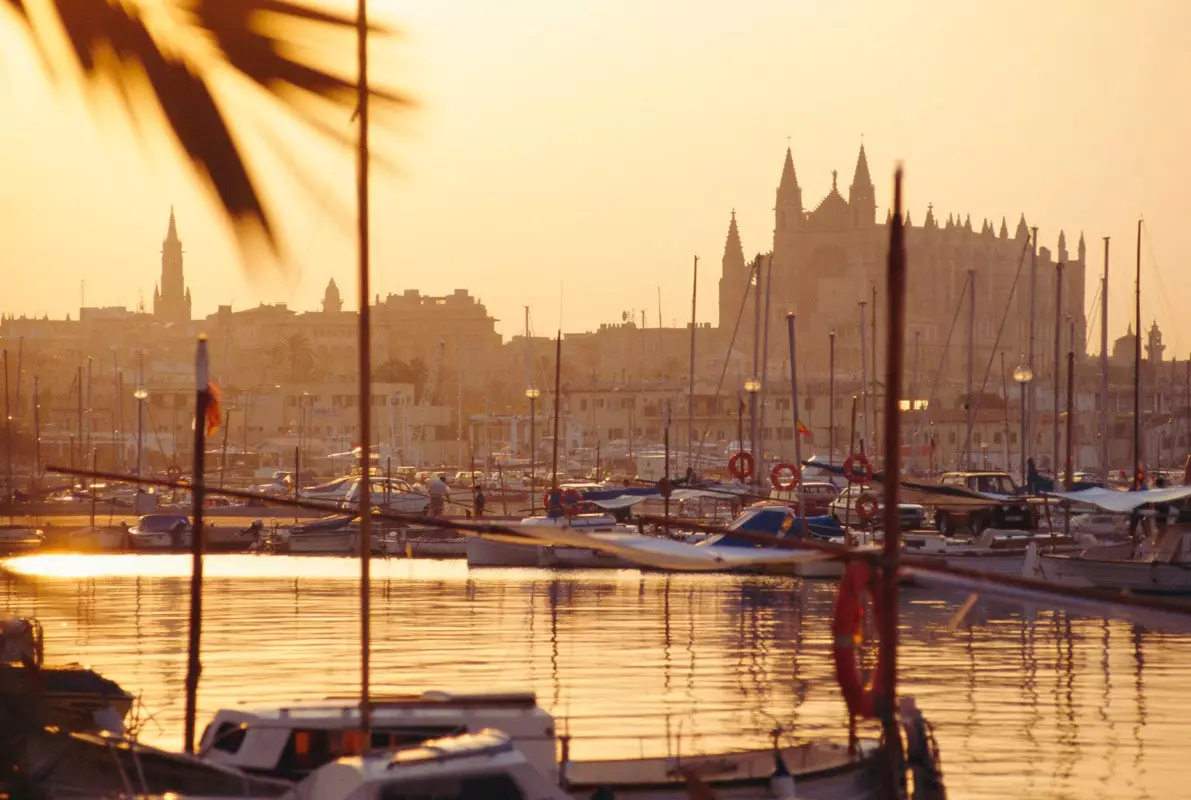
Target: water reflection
[(1025, 702)]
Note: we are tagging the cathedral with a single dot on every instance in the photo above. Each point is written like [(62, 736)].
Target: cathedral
[(171, 298), (826, 261)]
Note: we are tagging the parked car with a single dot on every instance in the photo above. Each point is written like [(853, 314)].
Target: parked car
[(843, 508), (817, 495), (1013, 512)]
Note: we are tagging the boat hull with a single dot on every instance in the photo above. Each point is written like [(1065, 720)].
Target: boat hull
[(326, 542), (1142, 577)]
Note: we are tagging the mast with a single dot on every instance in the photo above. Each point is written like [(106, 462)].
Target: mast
[(1028, 444), (764, 376), (971, 407), (1104, 368), (797, 436), (1058, 371), (690, 424), (202, 398), (873, 373), (37, 432), (557, 404), (1137, 454), (830, 398), (863, 378), (365, 374), (7, 434), (756, 366), (895, 342)]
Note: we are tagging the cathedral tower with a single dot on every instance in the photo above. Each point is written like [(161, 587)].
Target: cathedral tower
[(732, 276), (861, 195), (171, 298)]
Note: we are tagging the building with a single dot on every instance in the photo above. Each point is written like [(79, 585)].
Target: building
[(171, 298), (827, 260)]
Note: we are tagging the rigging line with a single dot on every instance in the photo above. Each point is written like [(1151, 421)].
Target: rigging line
[(1162, 294), (1021, 262), (731, 344), (1094, 318), (157, 435), (934, 389)]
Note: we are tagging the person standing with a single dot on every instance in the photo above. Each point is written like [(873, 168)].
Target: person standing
[(479, 502), (439, 494)]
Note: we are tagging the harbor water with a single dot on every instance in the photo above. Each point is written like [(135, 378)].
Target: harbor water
[(1026, 702)]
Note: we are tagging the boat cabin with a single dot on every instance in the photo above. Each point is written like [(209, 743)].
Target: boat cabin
[(290, 742)]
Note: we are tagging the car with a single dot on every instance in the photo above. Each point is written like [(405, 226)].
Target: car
[(1013, 512), (843, 508), (816, 494)]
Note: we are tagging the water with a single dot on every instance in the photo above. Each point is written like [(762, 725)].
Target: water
[(1025, 703)]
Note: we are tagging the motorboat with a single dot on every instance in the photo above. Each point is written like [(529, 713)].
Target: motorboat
[(332, 534), (998, 551), (230, 538), (98, 539), (394, 494), (422, 542), (296, 742), (520, 551), (16, 539), (160, 532)]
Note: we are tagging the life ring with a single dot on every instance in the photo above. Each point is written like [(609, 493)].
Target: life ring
[(741, 465), (866, 469), (847, 629), (779, 471), (571, 498), (867, 507)]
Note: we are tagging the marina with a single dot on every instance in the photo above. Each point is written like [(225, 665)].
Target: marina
[(1025, 702)]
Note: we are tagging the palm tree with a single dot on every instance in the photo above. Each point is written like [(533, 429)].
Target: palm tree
[(296, 353), (165, 57)]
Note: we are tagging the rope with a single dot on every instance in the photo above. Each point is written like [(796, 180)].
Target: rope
[(728, 356), (1021, 262)]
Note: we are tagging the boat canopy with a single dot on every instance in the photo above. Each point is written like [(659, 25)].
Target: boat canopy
[(1124, 502)]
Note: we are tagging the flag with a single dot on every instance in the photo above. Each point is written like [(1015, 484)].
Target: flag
[(803, 430), (214, 410)]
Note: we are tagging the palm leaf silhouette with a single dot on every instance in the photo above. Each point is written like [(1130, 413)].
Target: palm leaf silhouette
[(174, 49)]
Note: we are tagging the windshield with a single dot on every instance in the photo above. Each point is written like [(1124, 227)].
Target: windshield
[(161, 524)]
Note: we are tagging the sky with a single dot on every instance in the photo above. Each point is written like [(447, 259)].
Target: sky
[(574, 157)]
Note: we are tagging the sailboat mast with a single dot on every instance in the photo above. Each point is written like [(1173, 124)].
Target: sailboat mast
[(365, 377), (1057, 368), (790, 319), (1104, 368), (764, 372), (863, 380), (756, 364), (690, 425), (1028, 444), (971, 406), (557, 404), (1137, 454)]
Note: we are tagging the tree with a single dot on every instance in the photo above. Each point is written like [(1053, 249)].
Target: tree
[(298, 356), (165, 57)]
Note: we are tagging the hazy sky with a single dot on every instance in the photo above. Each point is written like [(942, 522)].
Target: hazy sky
[(582, 152)]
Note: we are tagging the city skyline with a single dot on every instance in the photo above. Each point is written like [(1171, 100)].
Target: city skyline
[(542, 207)]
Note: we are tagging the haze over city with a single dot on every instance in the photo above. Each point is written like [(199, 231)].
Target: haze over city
[(587, 153)]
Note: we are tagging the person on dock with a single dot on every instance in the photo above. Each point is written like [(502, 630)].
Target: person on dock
[(439, 494), (479, 502)]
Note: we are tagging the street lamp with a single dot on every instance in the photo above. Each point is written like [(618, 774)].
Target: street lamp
[(753, 386), (533, 393), (1023, 375), (140, 394)]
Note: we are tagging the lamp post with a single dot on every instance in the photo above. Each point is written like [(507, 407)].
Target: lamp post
[(753, 386), (140, 394), (533, 393), (1023, 375)]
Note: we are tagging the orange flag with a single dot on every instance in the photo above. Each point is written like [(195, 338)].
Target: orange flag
[(214, 410), (803, 430)]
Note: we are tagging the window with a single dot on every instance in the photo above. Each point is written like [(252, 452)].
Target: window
[(599, 403), (951, 437), (997, 437), (809, 404), (582, 405)]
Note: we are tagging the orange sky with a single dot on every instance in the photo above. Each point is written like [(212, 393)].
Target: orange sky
[(583, 153)]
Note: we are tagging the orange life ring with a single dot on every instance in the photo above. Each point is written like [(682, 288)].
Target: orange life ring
[(867, 507), (850, 464), (741, 465), (777, 473), (847, 629), (571, 497)]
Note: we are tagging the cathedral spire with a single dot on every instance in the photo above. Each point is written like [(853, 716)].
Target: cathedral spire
[(1023, 231), (1004, 229), (1081, 249), (733, 250), (861, 194), (172, 234), (787, 209), (930, 217), (1062, 246)]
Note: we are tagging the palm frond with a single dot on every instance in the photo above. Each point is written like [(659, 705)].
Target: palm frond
[(98, 27), (273, 44)]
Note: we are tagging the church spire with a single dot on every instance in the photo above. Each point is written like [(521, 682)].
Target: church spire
[(930, 217), (1062, 246), (787, 209), (860, 195), (172, 234), (1023, 231), (1082, 249), (733, 250), (1004, 229)]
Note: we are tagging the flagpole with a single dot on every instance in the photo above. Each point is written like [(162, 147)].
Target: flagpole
[(202, 396)]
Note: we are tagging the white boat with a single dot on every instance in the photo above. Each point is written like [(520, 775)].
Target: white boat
[(297, 741), (160, 532), (334, 535), (1165, 571), (394, 494), (98, 539), (229, 538), (16, 539), (997, 551), (523, 552), (422, 543)]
